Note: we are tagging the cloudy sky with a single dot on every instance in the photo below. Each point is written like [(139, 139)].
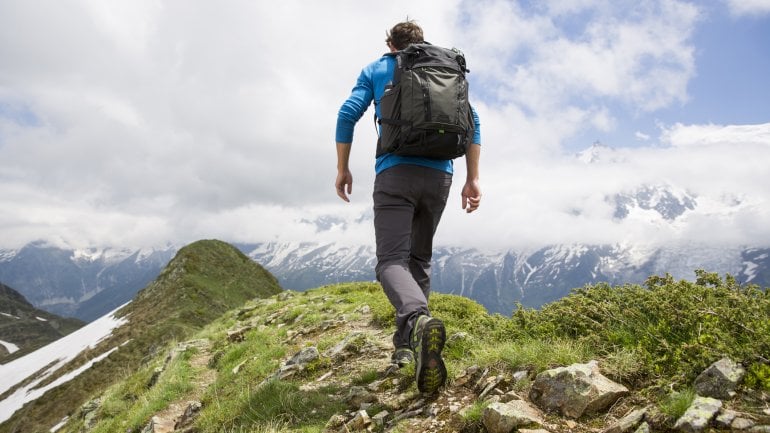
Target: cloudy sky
[(139, 123)]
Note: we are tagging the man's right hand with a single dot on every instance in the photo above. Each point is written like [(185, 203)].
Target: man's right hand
[(344, 184)]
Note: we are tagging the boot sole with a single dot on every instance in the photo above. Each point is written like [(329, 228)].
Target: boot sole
[(431, 371)]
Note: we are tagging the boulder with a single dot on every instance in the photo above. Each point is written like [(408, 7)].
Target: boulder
[(698, 415), (575, 390), (504, 417), (720, 379)]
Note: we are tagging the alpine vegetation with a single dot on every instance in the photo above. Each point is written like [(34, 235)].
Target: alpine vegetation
[(669, 355)]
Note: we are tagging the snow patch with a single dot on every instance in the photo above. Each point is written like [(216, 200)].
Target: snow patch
[(750, 271), (10, 315), (58, 353), (7, 255), (105, 255), (10, 347), (56, 428), (41, 319)]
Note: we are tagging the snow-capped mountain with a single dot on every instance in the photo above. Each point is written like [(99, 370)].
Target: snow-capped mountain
[(499, 280), (664, 200), (599, 152), (79, 283), (88, 283), (495, 279)]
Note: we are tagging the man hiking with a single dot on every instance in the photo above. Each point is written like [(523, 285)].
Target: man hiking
[(410, 191)]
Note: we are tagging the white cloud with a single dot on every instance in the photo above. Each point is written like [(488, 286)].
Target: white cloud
[(749, 7), (133, 124), (680, 135)]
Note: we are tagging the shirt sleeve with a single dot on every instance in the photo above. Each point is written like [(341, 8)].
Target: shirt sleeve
[(476, 126), (354, 107)]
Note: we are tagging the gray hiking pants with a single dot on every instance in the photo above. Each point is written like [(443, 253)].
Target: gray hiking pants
[(408, 203)]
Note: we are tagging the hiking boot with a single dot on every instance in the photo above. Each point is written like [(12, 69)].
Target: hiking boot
[(402, 357), (428, 337)]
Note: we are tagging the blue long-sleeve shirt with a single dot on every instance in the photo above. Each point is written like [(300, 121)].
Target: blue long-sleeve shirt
[(369, 87)]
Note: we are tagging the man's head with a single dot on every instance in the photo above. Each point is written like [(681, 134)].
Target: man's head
[(403, 34)]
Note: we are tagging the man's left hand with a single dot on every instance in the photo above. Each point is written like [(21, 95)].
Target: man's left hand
[(471, 195)]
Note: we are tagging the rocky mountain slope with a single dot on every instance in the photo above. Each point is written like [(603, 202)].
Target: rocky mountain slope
[(85, 284), (24, 328), (319, 361), (204, 280)]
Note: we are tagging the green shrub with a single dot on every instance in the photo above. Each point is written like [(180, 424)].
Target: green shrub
[(758, 376), (675, 328)]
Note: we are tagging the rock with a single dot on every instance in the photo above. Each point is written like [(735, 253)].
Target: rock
[(188, 416), (760, 429), (628, 422), (466, 375), (455, 407), (298, 362), (504, 417), (379, 418), (698, 415), (725, 418), (359, 422), (456, 338), (526, 430), (520, 375), (304, 356), (491, 384), (575, 390), (157, 425), (335, 422), (285, 295), (350, 345), (155, 376), (643, 428), (238, 335), (510, 396), (359, 395), (88, 412), (720, 379), (237, 368), (740, 423)]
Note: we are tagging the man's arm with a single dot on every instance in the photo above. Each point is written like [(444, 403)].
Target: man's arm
[(471, 192), (344, 182)]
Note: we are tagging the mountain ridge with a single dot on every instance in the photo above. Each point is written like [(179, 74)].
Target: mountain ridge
[(202, 281), (497, 279), (24, 328)]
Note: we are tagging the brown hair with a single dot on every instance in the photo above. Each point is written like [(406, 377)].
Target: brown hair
[(403, 34)]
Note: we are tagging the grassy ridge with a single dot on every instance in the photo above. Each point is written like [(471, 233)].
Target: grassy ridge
[(654, 338)]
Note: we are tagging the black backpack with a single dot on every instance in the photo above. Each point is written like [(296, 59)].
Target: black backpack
[(425, 111)]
